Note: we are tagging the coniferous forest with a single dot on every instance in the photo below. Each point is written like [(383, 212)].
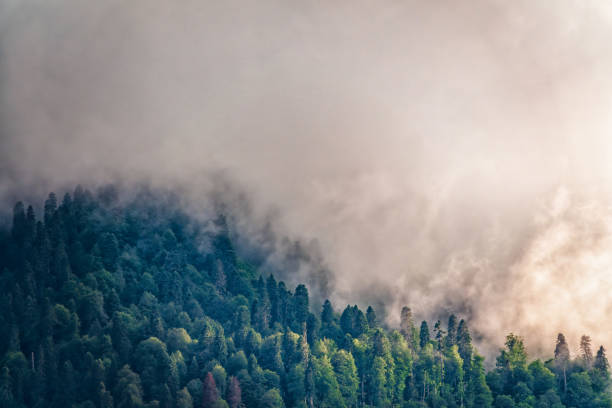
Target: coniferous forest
[(132, 303)]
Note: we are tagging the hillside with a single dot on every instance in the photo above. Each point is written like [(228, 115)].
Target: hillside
[(109, 303)]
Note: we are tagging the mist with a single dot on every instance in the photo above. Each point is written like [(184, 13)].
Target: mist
[(452, 156)]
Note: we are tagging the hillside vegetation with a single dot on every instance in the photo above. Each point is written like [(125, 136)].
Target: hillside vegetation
[(132, 304)]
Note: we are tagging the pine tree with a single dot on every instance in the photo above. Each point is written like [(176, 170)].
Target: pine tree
[(184, 399), (371, 316), (272, 289), (300, 308), (128, 391), (562, 356), (600, 375), (261, 307), (406, 324), (451, 331), (346, 374), (327, 315), (423, 334), (585, 350), (601, 362), (50, 208), (19, 229), (464, 343), (480, 393), (360, 323), (438, 334), (347, 319)]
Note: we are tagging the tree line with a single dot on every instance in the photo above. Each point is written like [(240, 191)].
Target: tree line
[(131, 304)]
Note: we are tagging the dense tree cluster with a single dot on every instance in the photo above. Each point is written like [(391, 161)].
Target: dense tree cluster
[(108, 303)]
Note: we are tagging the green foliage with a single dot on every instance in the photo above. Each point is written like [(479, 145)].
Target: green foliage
[(134, 304), (272, 399)]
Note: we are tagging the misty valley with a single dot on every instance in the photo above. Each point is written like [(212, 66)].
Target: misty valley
[(133, 302)]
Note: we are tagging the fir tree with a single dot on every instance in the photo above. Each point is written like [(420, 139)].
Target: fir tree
[(585, 350), (423, 334), (562, 356)]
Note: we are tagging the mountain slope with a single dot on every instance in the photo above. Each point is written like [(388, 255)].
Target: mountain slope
[(110, 303)]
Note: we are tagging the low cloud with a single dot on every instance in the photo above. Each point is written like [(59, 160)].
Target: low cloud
[(451, 156)]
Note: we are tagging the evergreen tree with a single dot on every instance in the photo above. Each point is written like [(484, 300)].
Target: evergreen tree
[(600, 375), (184, 399), (128, 391), (346, 374), (585, 350), (50, 207), (296, 386), (451, 331), (347, 319), (562, 356), (371, 316), (479, 392), (601, 362), (407, 324), (300, 308), (423, 334), (438, 334), (327, 315), (19, 229), (464, 343)]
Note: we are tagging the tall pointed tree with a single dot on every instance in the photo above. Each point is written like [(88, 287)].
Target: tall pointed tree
[(562, 357), (423, 334), (327, 314), (407, 324), (601, 362), (371, 316), (209, 391), (451, 331), (300, 308), (585, 351)]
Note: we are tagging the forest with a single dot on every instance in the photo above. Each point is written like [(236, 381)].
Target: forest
[(134, 303)]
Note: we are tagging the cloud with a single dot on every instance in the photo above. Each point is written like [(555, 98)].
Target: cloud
[(413, 147)]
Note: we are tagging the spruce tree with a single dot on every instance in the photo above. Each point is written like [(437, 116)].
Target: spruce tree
[(327, 315), (300, 300), (371, 316), (451, 331), (423, 334), (562, 357), (407, 324), (585, 351), (601, 362)]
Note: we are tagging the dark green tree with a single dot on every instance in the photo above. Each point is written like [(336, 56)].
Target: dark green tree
[(371, 317), (423, 334)]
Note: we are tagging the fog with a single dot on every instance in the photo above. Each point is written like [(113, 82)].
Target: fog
[(452, 156)]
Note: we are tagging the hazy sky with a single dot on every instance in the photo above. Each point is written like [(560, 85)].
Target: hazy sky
[(451, 155)]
